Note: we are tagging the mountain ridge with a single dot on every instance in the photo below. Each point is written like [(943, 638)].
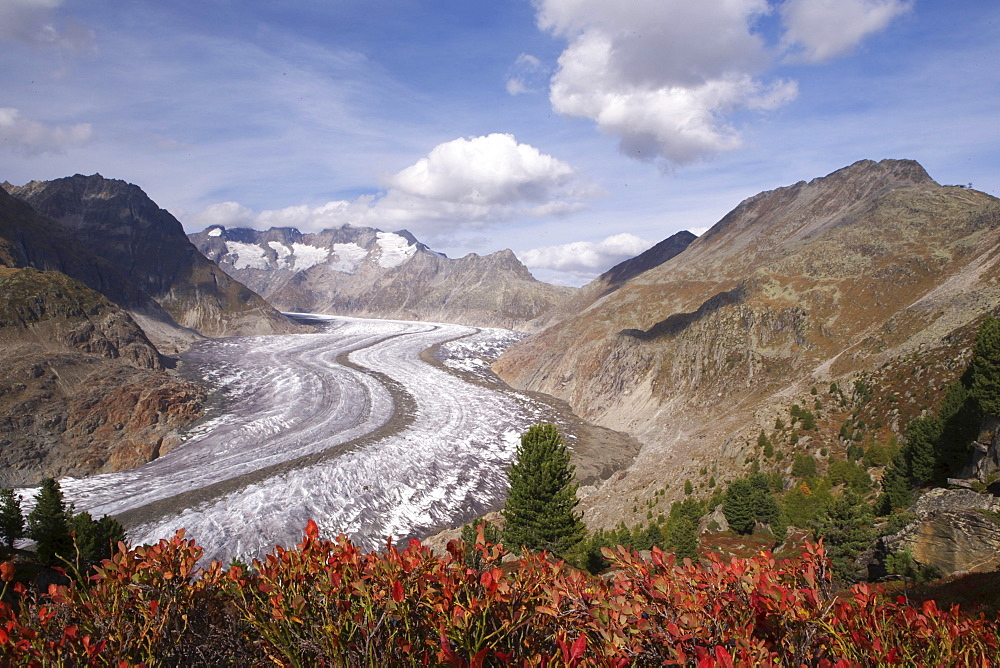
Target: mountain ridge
[(120, 224), (366, 272), (803, 284)]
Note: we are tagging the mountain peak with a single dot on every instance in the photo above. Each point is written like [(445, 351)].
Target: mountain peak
[(367, 272), (800, 211), (118, 222)]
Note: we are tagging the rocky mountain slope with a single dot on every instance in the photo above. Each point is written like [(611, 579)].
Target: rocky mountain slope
[(365, 272), (82, 390), (798, 286), (143, 250)]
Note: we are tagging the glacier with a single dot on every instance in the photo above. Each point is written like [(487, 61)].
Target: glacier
[(348, 426)]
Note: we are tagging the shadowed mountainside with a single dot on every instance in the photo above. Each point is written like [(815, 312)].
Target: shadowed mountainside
[(119, 224)]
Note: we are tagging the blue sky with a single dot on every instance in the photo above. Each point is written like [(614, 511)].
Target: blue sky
[(576, 132)]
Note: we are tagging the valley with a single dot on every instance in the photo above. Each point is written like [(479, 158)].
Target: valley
[(348, 426)]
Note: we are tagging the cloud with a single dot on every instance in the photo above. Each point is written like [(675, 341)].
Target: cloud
[(34, 22), (227, 214), (490, 170), (27, 137), (667, 76), (664, 75), (586, 259), (463, 183), (824, 29), (527, 75)]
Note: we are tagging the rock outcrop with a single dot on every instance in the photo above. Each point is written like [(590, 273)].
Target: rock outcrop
[(82, 390), (797, 286), (956, 531), (366, 272)]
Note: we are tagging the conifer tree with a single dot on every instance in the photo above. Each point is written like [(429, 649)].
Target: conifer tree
[(649, 537), (738, 506), (11, 519), (539, 511), (922, 437), (95, 539), (48, 524), (847, 531), (682, 538), (985, 367), (895, 486), (960, 418)]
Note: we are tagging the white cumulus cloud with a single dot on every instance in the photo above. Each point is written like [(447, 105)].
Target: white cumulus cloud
[(227, 214), (586, 258), (667, 76), (662, 75), (490, 170), (462, 183), (824, 29), (29, 137)]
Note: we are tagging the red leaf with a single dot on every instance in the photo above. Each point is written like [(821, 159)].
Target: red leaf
[(579, 647), (723, 656), (479, 659), (312, 530), (397, 591), (7, 570)]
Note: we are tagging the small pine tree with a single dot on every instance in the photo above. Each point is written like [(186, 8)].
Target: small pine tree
[(876, 455), (11, 519), (922, 437), (847, 532), (688, 488), (985, 368), (738, 506), (48, 524), (804, 466), (539, 511), (895, 486), (95, 539), (961, 418), (682, 538), (645, 539), (110, 532)]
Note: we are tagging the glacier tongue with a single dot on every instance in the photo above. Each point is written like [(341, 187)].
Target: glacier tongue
[(296, 442)]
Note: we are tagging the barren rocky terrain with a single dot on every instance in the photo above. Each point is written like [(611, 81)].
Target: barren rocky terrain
[(795, 287)]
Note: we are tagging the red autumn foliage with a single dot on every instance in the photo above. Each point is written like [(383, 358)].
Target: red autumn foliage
[(327, 603)]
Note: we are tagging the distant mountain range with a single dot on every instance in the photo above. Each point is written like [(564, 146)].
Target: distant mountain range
[(693, 347), (361, 271)]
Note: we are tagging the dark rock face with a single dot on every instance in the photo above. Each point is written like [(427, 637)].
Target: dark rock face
[(116, 222), (366, 272), (29, 239), (667, 249), (83, 390), (51, 307)]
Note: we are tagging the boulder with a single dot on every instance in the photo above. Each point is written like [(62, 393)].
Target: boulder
[(956, 531)]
